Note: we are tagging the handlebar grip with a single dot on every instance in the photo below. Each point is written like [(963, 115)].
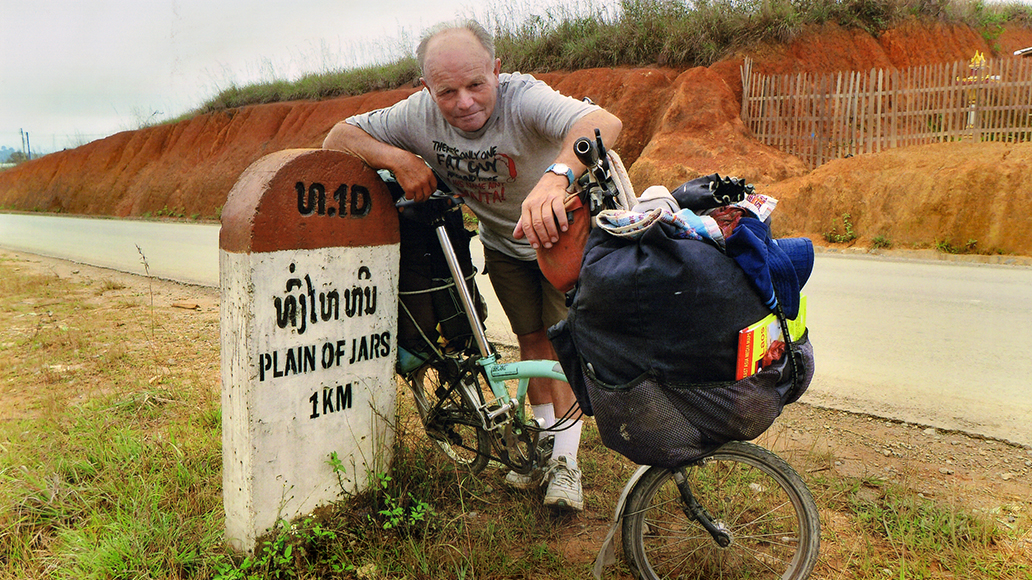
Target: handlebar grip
[(438, 198), (404, 203), (586, 151)]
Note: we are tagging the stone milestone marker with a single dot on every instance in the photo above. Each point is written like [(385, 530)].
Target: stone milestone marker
[(308, 264)]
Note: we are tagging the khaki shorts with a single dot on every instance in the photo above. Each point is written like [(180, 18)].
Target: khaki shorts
[(529, 300)]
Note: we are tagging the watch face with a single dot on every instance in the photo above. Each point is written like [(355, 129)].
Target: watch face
[(562, 169)]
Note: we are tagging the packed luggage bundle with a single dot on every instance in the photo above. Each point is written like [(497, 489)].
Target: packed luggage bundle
[(430, 315), (686, 329)]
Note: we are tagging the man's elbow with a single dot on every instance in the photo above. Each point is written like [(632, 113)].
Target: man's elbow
[(331, 138), (336, 138), (608, 124), (615, 125)]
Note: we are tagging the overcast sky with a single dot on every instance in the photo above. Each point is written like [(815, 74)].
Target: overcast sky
[(76, 70)]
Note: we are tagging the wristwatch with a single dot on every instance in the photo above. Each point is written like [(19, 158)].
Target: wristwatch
[(562, 169)]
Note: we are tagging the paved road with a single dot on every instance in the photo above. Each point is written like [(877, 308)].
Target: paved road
[(935, 343), (174, 251)]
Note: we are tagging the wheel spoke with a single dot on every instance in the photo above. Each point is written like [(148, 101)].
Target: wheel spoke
[(749, 494), (451, 422)]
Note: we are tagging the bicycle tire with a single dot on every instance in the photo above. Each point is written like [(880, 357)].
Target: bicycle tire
[(748, 491), (453, 422)]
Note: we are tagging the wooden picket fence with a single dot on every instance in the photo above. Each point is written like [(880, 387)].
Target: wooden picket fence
[(820, 117)]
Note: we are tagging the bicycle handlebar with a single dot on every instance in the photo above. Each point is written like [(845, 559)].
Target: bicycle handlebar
[(586, 153), (439, 198), (593, 155), (600, 191), (430, 210)]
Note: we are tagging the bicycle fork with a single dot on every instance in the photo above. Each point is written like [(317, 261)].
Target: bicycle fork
[(693, 509)]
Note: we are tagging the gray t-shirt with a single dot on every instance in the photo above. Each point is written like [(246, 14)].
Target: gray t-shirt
[(496, 167)]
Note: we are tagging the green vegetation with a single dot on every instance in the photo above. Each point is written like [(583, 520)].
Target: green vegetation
[(643, 33), (848, 234), (110, 460), (17, 158), (947, 247), (317, 86), (917, 537), (110, 467)]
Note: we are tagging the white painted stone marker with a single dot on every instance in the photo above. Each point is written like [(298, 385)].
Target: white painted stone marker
[(309, 267)]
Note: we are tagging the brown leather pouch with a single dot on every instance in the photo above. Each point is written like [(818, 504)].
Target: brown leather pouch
[(562, 262)]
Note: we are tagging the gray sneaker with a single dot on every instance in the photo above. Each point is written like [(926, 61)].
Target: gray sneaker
[(564, 486), (535, 478), (524, 480)]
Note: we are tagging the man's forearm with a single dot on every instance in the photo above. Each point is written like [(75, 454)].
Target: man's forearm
[(609, 127), (542, 215), (412, 173), (353, 140)]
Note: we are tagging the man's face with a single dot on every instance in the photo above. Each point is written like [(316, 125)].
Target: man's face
[(462, 79)]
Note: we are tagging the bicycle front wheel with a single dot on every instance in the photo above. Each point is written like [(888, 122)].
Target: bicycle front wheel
[(749, 493), (451, 419)]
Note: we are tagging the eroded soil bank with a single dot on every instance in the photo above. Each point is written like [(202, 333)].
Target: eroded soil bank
[(679, 124)]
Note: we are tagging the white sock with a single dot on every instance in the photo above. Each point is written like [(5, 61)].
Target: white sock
[(546, 413), (567, 442)]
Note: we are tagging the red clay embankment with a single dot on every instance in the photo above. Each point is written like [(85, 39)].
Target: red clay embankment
[(678, 124)]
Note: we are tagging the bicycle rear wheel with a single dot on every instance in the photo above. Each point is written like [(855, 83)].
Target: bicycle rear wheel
[(451, 419), (748, 492)]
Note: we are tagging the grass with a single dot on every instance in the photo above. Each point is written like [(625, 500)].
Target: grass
[(947, 247), (111, 461), (917, 537), (639, 33), (110, 467)]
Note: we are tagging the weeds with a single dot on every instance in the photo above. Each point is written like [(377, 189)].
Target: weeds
[(833, 236), (924, 535), (172, 213), (283, 552), (150, 283), (881, 242), (394, 512), (339, 470), (947, 247), (111, 468)]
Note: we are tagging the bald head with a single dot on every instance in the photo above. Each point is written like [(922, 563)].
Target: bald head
[(482, 36)]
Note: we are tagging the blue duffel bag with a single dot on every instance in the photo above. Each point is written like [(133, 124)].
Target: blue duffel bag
[(650, 344)]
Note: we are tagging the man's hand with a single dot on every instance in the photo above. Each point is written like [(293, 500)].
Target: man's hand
[(544, 211), (409, 169), (544, 217), (415, 178)]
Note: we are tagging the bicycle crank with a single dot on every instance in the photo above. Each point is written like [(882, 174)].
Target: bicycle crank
[(516, 448)]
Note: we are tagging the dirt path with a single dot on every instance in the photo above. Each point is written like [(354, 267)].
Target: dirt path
[(932, 461), (989, 476)]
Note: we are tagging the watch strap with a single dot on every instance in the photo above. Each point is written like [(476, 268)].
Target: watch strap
[(558, 169)]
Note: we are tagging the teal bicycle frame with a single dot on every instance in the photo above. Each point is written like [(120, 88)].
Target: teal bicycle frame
[(505, 407)]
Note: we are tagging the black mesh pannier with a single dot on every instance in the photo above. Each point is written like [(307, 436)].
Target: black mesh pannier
[(650, 348), (669, 425), (430, 314)]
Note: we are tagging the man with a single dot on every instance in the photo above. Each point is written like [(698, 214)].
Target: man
[(505, 143)]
